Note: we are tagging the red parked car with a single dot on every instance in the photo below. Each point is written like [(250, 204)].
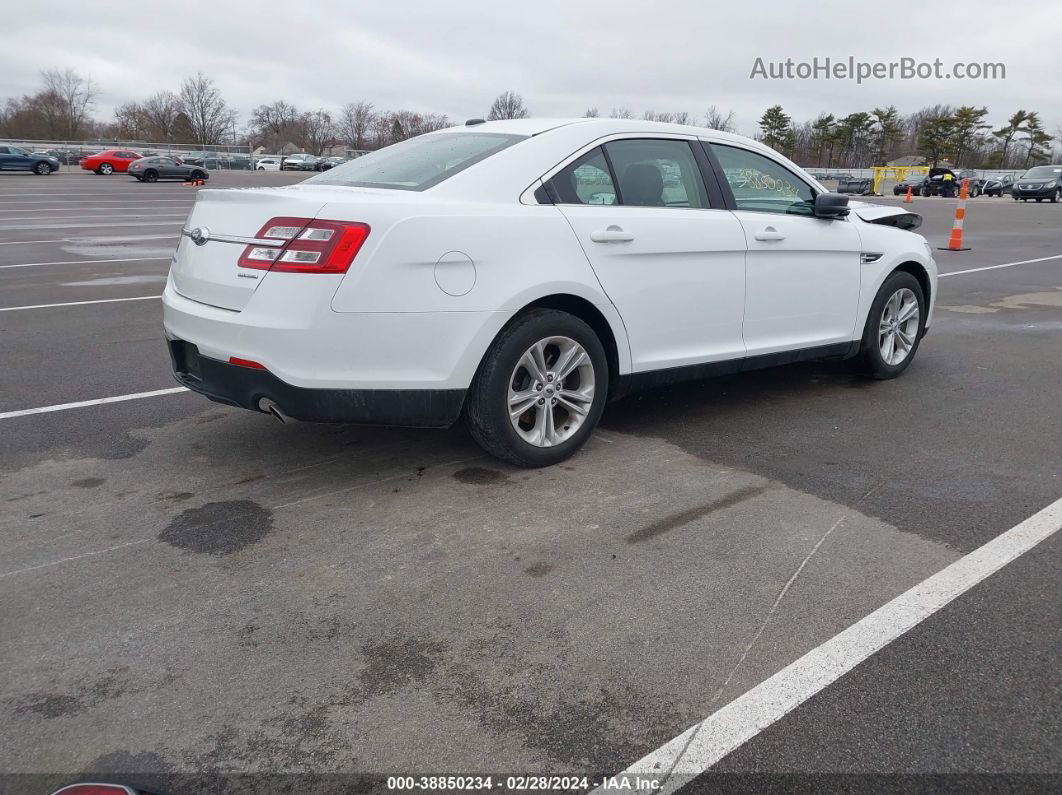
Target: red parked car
[(110, 161)]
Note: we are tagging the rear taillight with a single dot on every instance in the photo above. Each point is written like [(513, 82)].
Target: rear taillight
[(313, 246)]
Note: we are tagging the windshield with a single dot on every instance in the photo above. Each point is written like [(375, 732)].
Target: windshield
[(419, 163), (1043, 172)]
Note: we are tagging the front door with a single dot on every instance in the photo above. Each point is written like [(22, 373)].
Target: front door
[(802, 273)]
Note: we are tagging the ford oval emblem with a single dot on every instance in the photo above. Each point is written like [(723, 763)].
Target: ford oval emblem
[(200, 235)]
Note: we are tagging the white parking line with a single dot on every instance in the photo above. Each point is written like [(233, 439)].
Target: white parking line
[(96, 225), (1004, 265), (96, 200), (98, 402), (78, 303), (105, 218), (82, 262), (694, 751), (90, 240)]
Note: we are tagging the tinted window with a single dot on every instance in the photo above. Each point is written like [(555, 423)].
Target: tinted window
[(760, 184), (585, 181), (418, 163), (16, 151), (1039, 172), (4, 150), (657, 173)]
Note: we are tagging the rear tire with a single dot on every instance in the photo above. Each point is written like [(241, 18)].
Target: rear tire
[(261, 168), (897, 314), (518, 367), (151, 176), (106, 169)]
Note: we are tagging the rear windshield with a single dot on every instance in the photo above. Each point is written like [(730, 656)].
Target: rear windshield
[(419, 163), (1043, 172)]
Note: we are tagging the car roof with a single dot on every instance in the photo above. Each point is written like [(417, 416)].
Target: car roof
[(604, 127)]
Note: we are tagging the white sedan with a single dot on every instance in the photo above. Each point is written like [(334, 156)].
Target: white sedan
[(519, 274), (268, 163)]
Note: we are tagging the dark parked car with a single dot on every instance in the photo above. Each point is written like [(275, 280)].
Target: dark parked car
[(299, 162), (934, 184), (12, 158), (330, 162), (152, 169), (912, 182), (998, 186), (1039, 182)]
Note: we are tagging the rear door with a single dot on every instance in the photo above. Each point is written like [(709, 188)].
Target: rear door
[(672, 264), (802, 273)]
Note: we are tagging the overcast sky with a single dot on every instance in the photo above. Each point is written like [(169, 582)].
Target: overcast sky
[(563, 57)]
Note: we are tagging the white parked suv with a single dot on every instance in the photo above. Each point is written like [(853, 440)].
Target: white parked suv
[(268, 163), (521, 273)]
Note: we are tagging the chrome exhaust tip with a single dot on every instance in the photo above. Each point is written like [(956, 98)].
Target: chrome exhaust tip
[(269, 407)]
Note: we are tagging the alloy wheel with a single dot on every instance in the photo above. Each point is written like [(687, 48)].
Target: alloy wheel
[(551, 391), (898, 328)]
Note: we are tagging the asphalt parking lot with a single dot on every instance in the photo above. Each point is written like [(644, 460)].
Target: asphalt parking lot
[(191, 592)]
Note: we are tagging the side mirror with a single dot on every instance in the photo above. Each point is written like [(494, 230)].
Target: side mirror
[(831, 205)]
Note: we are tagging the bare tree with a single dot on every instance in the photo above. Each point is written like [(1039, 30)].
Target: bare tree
[(591, 113), (318, 130), (621, 113), (66, 102), (160, 113), (130, 120), (355, 123), (715, 120), (209, 117), (275, 125), (508, 105)]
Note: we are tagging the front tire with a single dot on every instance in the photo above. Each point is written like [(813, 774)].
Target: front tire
[(198, 175), (42, 169), (1055, 196), (540, 389), (894, 328)]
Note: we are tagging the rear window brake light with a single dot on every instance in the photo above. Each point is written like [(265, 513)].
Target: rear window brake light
[(312, 246)]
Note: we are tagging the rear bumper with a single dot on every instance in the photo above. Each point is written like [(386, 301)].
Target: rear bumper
[(245, 387)]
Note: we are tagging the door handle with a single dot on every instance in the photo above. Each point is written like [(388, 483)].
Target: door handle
[(613, 234), (769, 233)]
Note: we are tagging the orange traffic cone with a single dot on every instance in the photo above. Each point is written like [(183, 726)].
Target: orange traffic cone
[(955, 241), (908, 199)]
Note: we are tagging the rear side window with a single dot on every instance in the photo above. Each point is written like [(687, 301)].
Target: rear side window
[(657, 173), (419, 163), (586, 181), (639, 172)]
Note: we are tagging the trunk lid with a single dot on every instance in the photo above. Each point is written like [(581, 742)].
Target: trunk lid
[(229, 220)]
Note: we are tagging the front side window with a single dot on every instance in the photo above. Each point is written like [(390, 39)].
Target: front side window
[(762, 185), (419, 163), (657, 173), (16, 151)]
